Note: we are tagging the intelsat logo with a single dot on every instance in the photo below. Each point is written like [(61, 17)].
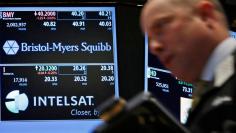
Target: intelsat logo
[(16, 102), (11, 47)]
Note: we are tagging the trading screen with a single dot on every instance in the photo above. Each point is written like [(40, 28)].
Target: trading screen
[(57, 62), (174, 94)]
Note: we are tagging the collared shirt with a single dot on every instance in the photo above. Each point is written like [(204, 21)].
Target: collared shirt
[(224, 49)]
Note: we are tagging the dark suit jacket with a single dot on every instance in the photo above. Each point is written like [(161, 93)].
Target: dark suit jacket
[(216, 110)]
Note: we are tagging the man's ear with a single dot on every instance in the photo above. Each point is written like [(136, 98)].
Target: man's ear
[(206, 11)]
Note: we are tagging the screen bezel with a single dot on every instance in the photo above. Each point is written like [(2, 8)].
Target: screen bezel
[(75, 5)]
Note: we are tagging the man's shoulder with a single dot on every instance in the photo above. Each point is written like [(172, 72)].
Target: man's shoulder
[(224, 84), (225, 70), (219, 104)]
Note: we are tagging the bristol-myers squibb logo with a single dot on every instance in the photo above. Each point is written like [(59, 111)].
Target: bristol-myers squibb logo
[(11, 47), (16, 102)]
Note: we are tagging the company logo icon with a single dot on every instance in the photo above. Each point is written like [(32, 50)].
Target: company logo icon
[(11, 47), (16, 101)]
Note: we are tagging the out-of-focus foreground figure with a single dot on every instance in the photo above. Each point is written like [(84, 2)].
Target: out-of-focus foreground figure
[(191, 38)]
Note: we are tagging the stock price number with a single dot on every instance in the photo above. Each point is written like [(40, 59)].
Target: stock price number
[(105, 14), (80, 78), (107, 78), (78, 14), (78, 23), (44, 13), (105, 23), (49, 24), (188, 90), (107, 68), (50, 79), (46, 68), (79, 68)]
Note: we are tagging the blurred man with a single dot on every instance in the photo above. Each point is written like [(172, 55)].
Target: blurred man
[(191, 38)]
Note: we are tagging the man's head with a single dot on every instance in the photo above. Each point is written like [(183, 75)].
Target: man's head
[(183, 33)]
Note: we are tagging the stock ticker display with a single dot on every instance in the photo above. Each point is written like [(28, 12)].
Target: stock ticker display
[(56, 62), (174, 94)]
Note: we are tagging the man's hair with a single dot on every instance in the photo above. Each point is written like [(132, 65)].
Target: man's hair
[(216, 3), (192, 3), (218, 7)]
